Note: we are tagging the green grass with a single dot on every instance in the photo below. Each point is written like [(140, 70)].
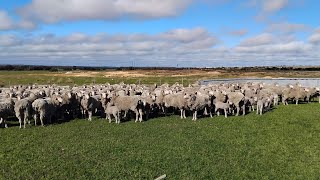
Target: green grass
[(282, 144), (8, 78)]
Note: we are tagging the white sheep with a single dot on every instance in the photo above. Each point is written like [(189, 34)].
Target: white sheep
[(114, 111), (237, 99), (178, 100), (222, 106), (89, 105), (263, 105), (45, 108), (198, 102), (22, 110), (126, 103)]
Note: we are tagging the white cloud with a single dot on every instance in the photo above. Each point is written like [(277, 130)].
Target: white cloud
[(179, 40), (261, 39), (8, 40), (52, 11), (315, 37), (77, 37), (239, 32), (287, 28), (289, 47), (5, 21), (269, 8), (186, 35), (274, 5), (25, 24)]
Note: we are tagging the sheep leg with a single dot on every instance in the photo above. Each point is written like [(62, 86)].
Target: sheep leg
[(238, 110), (35, 119), (141, 114), (184, 114), (225, 113), (106, 116), (109, 117), (83, 112), (118, 116), (115, 117), (205, 111), (20, 122), (41, 118), (218, 112), (181, 113), (195, 115), (90, 115), (297, 101), (258, 109), (5, 124), (2, 121), (25, 119), (137, 115), (26, 116), (243, 110)]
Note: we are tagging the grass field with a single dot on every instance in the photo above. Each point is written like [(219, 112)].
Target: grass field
[(282, 144), (185, 77)]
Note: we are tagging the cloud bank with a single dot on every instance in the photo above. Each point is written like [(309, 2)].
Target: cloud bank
[(178, 47), (52, 11)]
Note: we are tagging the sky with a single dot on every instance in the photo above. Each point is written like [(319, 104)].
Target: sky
[(175, 33)]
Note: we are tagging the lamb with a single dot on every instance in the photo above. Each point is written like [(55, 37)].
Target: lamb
[(159, 96), (112, 110), (6, 109), (222, 106), (263, 105)]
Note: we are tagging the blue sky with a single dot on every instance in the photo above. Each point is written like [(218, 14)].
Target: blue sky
[(187, 33)]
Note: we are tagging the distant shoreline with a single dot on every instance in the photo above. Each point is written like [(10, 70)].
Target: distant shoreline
[(10, 67)]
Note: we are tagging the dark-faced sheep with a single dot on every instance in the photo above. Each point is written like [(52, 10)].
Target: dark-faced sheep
[(6, 109)]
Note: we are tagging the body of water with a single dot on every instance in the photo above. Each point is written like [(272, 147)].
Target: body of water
[(306, 82)]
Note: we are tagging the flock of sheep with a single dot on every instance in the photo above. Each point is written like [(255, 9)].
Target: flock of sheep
[(122, 101)]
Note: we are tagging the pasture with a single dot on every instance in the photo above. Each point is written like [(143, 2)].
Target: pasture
[(185, 77), (282, 144)]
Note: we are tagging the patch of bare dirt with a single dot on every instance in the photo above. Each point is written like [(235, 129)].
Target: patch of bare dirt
[(124, 74)]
